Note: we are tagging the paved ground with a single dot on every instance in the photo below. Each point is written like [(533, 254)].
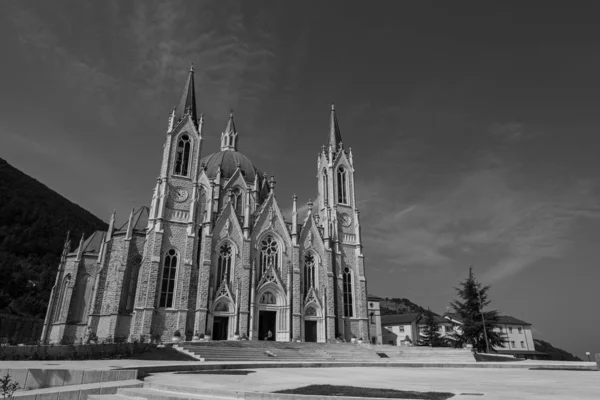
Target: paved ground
[(493, 383), (128, 363)]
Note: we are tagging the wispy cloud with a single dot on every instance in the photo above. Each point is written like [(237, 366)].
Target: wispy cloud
[(490, 209)]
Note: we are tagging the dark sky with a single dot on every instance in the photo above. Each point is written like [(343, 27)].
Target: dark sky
[(474, 126)]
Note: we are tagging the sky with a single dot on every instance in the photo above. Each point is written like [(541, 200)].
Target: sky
[(473, 125)]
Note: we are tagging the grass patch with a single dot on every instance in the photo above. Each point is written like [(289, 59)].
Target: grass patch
[(352, 391), (219, 372)]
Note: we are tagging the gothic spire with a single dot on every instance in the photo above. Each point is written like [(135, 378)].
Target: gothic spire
[(335, 137), (187, 103), (229, 136)]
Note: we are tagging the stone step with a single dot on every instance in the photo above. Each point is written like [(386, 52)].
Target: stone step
[(148, 393)]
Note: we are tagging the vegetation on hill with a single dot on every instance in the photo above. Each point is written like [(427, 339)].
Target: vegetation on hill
[(399, 306), (554, 352), (34, 221)]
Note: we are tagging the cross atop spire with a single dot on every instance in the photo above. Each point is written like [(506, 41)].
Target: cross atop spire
[(187, 103), (229, 136), (335, 137)]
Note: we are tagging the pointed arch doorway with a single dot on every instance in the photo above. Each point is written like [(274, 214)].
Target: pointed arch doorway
[(222, 320), (272, 323)]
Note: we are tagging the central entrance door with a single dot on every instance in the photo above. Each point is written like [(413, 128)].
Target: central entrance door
[(310, 331), (266, 324), (220, 328)]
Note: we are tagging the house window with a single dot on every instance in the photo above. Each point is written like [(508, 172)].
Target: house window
[(520, 330), (269, 254), (224, 263), (401, 329), (342, 183), (522, 344), (512, 343), (182, 156), (510, 330), (309, 272), (347, 284), (168, 279)]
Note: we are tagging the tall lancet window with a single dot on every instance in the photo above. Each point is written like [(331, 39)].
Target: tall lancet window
[(309, 272), (347, 293), (269, 254), (62, 297), (342, 186), (182, 157), (167, 288), (325, 188), (237, 201), (224, 264)]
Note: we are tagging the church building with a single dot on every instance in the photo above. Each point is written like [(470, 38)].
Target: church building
[(214, 255)]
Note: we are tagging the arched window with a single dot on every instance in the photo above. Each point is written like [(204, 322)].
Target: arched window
[(182, 158), (131, 284), (325, 188), (342, 189), (268, 298), (167, 288), (224, 263), (269, 254), (80, 298), (62, 297), (237, 201), (309, 272), (347, 293)]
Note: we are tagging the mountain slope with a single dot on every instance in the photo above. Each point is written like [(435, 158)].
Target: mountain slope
[(399, 306), (34, 220)]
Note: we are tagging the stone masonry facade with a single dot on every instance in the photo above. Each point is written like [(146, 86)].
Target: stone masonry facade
[(214, 256)]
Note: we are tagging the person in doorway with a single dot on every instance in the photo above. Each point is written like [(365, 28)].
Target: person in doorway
[(269, 335)]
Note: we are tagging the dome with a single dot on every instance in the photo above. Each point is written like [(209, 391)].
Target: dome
[(228, 160)]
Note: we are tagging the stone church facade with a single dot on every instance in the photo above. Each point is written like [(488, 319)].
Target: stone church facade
[(214, 255)]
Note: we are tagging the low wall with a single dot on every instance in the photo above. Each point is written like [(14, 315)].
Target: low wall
[(73, 352), (15, 329), (32, 379)]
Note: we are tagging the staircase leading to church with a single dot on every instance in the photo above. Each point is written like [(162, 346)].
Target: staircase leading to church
[(319, 352)]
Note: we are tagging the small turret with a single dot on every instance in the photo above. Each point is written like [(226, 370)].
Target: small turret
[(229, 137), (272, 184)]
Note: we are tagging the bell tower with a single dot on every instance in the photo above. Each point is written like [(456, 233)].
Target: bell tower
[(339, 218), (165, 294)]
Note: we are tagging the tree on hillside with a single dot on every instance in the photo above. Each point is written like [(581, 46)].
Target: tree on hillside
[(430, 335), (472, 300)]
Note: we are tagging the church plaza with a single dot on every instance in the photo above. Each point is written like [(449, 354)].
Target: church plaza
[(466, 381)]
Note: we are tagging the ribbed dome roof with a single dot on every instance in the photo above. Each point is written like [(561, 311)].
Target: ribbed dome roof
[(228, 160)]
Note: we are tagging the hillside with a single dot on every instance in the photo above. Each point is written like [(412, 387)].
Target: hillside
[(34, 220), (554, 352), (399, 306)]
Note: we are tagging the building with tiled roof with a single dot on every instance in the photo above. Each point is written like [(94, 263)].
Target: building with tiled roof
[(213, 254), (518, 336)]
